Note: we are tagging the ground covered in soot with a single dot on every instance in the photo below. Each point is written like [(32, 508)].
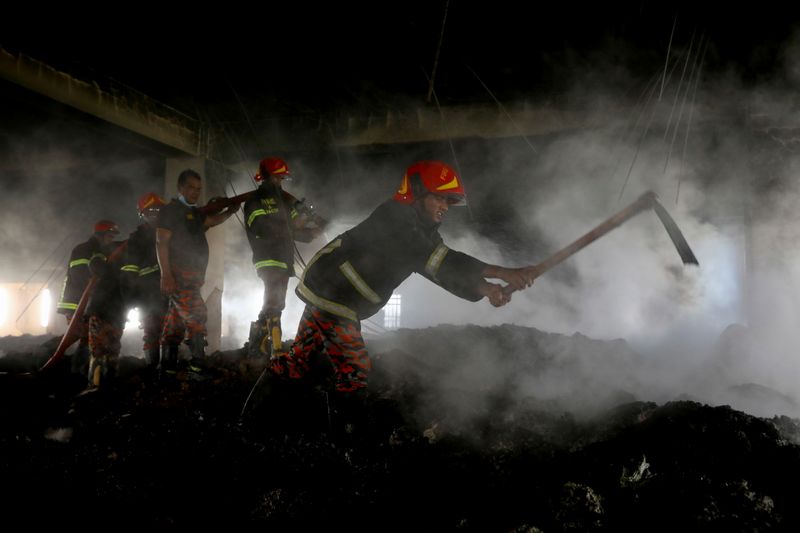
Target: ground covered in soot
[(484, 433)]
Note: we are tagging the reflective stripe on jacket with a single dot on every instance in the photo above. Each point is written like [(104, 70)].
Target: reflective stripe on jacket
[(355, 274)]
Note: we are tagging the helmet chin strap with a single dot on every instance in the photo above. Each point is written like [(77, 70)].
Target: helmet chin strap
[(418, 190), (419, 207)]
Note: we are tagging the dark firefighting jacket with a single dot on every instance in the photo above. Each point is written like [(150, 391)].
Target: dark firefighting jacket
[(78, 274), (106, 301), (273, 224), (355, 274), (141, 275)]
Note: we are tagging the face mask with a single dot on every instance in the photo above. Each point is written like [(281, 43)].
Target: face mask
[(182, 200)]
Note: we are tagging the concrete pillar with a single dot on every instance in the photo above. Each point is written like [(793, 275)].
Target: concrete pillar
[(215, 273)]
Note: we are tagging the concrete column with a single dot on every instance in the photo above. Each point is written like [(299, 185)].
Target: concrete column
[(215, 273)]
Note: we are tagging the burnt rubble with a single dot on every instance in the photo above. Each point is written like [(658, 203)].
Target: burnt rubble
[(463, 427)]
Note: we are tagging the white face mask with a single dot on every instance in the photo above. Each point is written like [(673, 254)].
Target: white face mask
[(182, 200)]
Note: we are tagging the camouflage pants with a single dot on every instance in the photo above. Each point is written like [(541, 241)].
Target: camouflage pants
[(81, 331), (340, 338), (104, 346), (80, 359), (152, 324), (187, 311)]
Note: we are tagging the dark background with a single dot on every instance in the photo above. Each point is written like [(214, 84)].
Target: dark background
[(333, 57), (243, 67)]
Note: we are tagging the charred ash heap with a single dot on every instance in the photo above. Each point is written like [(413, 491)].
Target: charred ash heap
[(434, 448)]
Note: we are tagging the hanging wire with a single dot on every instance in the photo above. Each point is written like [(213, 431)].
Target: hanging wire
[(683, 105), (449, 141), (236, 146), (65, 241), (689, 120), (503, 109), (666, 61), (56, 266), (638, 147), (641, 106), (36, 296), (244, 110), (644, 132), (678, 88), (438, 50)]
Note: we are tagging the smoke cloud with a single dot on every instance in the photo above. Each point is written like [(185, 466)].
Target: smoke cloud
[(720, 152)]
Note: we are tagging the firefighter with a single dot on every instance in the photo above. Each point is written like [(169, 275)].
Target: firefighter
[(141, 278), (78, 275), (182, 250), (106, 316), (353, 276), (274, 220)]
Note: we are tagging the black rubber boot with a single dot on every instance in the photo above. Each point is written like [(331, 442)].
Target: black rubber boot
[(102, 371), (169, 361), (258, 331), (152, 356), (198, 346)]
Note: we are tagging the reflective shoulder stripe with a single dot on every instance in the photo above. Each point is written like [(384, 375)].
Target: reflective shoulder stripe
[(254, 214), (435, 260), (66, 305), (63, 290), (271, 263), (293, 213), (149, 270), (358, 282), (326, 305), (130, 268), (331, 246), (78, 262)]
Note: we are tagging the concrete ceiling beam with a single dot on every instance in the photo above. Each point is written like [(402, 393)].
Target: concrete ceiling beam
[(123, 107)]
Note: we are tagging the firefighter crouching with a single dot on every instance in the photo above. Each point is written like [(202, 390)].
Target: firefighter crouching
[(354, 275)]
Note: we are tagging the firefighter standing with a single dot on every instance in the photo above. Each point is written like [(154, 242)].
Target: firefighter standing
[(353, 276), (274, 221), (106, 316), (182, 250), (141, 279), (78, 275)]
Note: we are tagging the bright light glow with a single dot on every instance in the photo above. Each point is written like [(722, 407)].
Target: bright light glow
[(133, 319), (44, 308), (4, 304), (391, 315)]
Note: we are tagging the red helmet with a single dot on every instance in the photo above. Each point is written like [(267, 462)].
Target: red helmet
[(272, 166), (106, 226), (148, 200), (434, 177)]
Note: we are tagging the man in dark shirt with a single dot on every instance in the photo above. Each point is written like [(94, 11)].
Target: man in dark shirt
[(182, 250)]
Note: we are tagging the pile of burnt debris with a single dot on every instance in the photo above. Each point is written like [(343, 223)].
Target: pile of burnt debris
[(462, 428)]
